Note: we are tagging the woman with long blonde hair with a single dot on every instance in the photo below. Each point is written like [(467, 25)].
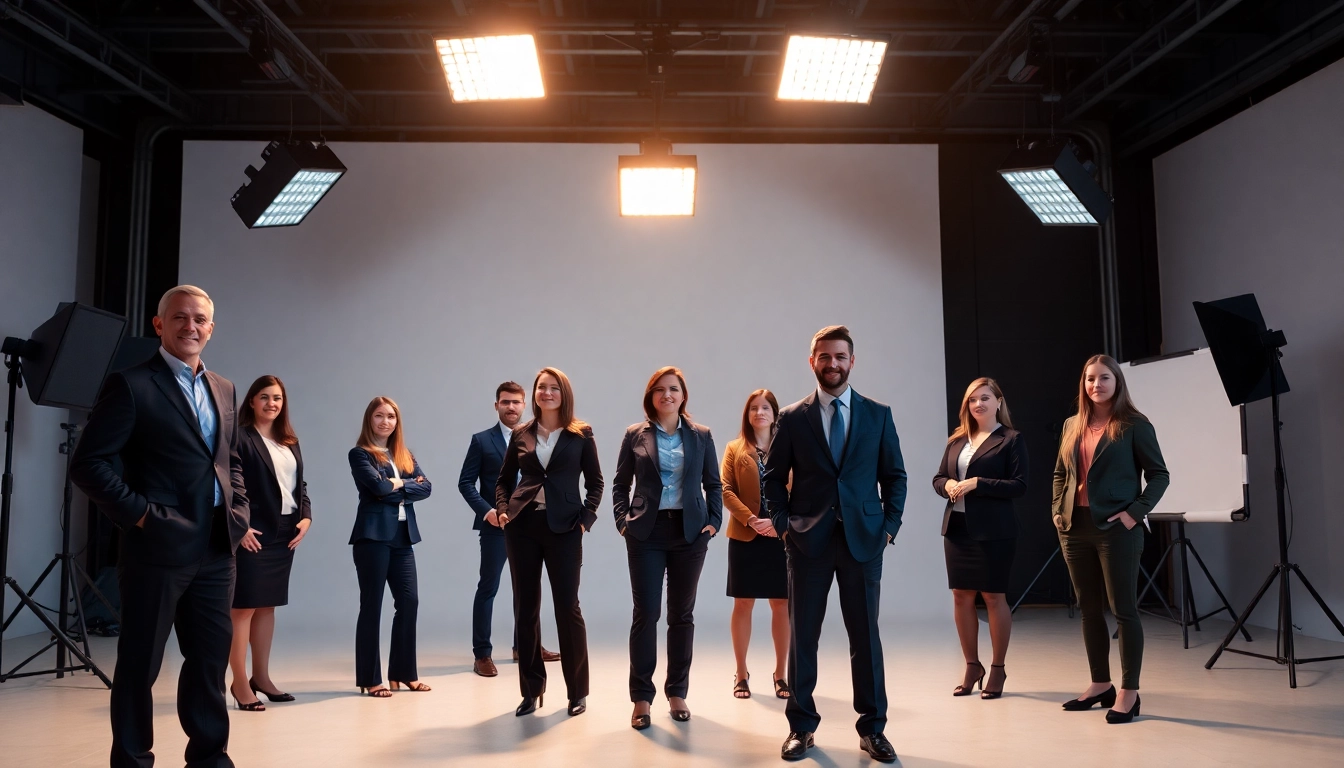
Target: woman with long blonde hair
[(984, 468), (389, 481), (1098, 505)]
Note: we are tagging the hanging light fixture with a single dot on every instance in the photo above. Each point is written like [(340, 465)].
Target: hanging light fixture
[(294, 179), (491, 67), (841, 68), (1056, 185), (657, 182)]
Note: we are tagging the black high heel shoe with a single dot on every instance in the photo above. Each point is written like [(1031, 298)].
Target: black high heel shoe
[(1113, 717), (528, 706), (1106, 699), (578, 707), (966, 690), (985, 693), (255, 706), (276, 696)]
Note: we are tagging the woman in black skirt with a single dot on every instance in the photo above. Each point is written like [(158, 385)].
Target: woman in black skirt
[(983, 469), (278, 496), (757, 569)]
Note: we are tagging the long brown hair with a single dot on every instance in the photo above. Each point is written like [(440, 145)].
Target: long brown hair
[(1123, 412), (567, 420), (247, 417), (748, 432), (652, 412), (396, 451), (968, 426)]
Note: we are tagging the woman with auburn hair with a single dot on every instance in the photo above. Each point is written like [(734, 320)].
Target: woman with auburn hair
[(544, 519), (389, 481), (670, 464), (757, 567), (984, 468), (281, 514), (1098, 503)]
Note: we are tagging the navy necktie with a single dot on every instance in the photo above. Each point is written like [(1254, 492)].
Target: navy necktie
[(837, 431)]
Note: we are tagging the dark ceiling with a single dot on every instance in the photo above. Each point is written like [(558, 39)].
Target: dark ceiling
[(1146, 70)]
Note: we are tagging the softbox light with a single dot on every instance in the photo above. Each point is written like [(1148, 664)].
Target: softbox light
[(294, 179), (1055, 184), (656, 182), (1244, 350), (68, 356)]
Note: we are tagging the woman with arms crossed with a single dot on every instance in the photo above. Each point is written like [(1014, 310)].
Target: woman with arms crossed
[(281, 514), (544, 519), (757, 567), (984, 468), (676, 507), (389, 481), (1098, 507)]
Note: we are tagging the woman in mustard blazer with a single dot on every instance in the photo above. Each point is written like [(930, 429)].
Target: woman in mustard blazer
[(757, 569), (1098, 506)]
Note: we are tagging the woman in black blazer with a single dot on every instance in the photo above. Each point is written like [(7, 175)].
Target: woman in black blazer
[(389, 481), (544, 518), (281, 514), (984, 468), (1098, 505), (676, 508)]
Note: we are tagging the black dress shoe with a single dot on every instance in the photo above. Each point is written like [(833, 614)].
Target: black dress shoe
[(578, 706), (795, 745), (528, 706), (1114, 717), (1106, 699), (878, 748)]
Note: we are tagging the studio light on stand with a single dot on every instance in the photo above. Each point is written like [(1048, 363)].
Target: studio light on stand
[(657, 182), (1247, 355), (1056, 185), (837, 68), (293, 179), (63, 364)]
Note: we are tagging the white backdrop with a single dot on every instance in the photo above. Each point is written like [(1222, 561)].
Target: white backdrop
[(432, 272)]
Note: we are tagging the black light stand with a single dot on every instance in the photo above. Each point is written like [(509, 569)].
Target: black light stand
[(1189, 615), (11, 350), (71, 574), (1234, 325), (1069, 600)]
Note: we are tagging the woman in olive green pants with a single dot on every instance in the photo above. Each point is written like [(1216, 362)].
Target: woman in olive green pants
[(1108, 444)]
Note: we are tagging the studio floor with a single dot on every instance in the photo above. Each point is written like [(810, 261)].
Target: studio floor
[(1241, 713)]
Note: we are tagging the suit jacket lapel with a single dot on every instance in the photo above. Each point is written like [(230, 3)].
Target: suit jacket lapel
[(649, 439), (856, 402), (813, 415), (690, 452), (223, 420), (167, 384), (988, 445), (259, 444), (497, 440)]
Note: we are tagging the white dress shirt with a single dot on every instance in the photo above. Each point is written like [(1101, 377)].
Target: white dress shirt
[(846, 413), (286, 474), (545, 447)]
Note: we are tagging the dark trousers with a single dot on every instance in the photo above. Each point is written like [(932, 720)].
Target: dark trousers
[(860, 587), (391, 563), (1104, 566), (665, 553), (194, 600), (494, 557), (531, 545)]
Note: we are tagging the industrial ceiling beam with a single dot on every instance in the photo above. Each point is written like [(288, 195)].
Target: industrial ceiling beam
[(942, 109)]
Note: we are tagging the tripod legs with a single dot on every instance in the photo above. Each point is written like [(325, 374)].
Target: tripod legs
[(1189, 614), (1037, 578), (56, 632)]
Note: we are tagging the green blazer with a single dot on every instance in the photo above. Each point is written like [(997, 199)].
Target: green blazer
[(1113, 479)]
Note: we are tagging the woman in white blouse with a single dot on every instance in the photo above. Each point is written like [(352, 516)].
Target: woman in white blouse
[(278, 497)]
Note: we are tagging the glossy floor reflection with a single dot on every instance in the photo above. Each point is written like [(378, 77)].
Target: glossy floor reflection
[(1240, 713)]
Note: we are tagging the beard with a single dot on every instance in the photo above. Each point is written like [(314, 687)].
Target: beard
[(826, 376)]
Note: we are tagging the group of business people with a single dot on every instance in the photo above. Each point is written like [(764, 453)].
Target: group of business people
[(212, 504)]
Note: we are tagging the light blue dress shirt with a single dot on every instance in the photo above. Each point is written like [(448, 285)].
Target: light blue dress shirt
[(671, 465), (196, 389)]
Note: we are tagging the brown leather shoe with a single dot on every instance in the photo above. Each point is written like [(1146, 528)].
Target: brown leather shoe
[(549, 655), (484, 667)]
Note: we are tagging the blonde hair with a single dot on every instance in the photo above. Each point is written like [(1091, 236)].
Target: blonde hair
[(189, 290), (1123, 412), (396, 451), (968, 426)]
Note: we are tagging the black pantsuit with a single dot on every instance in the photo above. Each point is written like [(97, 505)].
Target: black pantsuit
[(391, 563), (860, 589), (664, 552), (550, 537), (531, 545)]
